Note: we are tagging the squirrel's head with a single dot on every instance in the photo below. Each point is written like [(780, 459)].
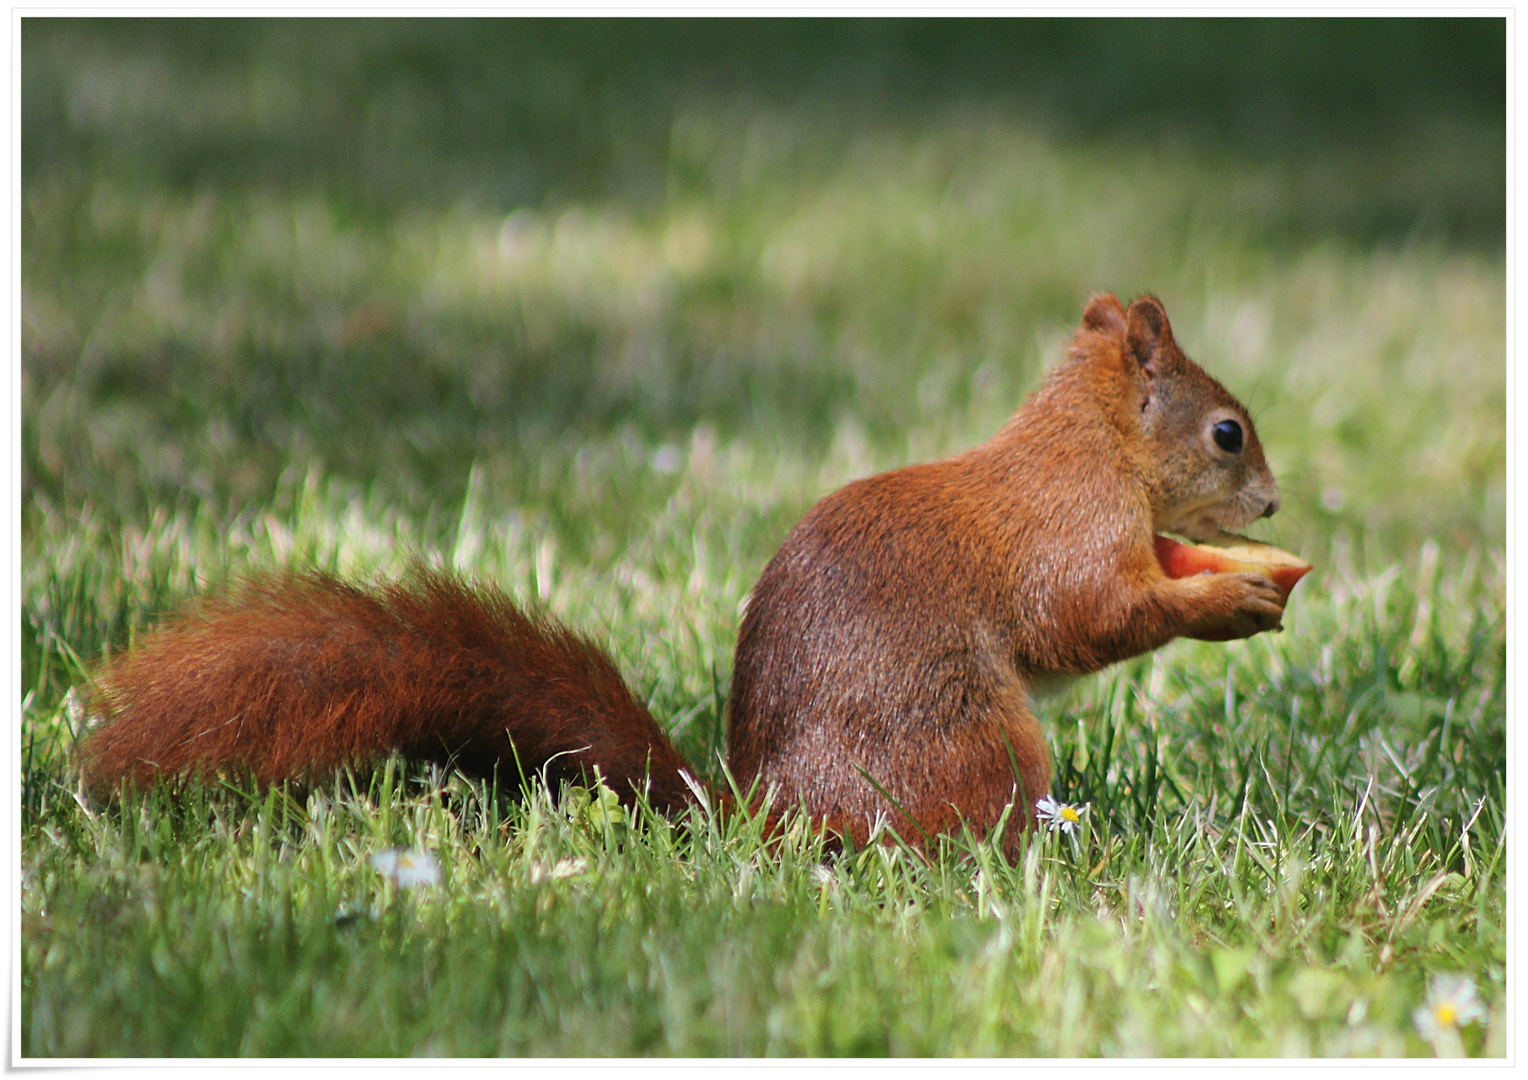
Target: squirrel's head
[(1197, 450)]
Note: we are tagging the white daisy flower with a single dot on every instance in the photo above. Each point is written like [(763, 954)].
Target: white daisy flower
[(1451, 1003), (407, 869), (1059, 815)]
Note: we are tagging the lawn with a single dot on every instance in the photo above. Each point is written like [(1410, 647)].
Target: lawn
[(595, 312)]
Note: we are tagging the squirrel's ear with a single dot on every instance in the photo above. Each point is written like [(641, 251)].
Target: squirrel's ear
[(1147, 330), (1105, 314)]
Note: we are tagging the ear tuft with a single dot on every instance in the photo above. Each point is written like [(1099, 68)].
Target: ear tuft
[(1147, 329), (1105, 314)]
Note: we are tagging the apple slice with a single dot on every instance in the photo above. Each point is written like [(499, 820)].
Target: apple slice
[(1228, 553)]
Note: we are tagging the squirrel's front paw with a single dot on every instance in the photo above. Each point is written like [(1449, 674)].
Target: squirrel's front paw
[(1236, 606)]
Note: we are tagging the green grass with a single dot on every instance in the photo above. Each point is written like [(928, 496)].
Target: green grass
[(602, 344)]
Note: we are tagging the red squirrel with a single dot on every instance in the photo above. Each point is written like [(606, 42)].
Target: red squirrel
[(890, 648)]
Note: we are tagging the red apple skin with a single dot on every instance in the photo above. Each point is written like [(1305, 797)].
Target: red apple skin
[(1229, 553)]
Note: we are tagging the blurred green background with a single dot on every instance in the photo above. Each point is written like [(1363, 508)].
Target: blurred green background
[(386, 251)]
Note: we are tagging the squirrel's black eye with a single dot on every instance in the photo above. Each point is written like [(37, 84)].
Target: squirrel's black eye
[(1228, 436)]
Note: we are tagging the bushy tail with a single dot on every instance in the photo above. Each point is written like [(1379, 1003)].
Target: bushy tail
[(293, 677)]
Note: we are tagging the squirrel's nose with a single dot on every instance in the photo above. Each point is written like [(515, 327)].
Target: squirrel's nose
[(1273, 507)]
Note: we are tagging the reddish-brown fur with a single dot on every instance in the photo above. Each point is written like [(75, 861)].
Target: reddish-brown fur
[(896, 637), (297, 676), (904, 622)]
